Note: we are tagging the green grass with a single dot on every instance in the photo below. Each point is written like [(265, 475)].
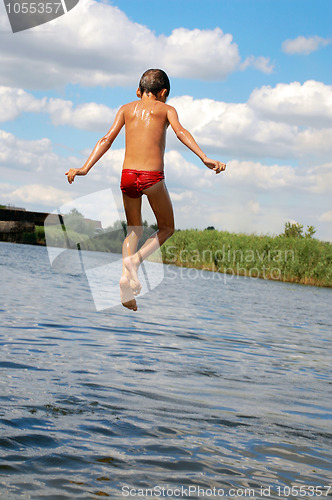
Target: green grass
[(296, 259)]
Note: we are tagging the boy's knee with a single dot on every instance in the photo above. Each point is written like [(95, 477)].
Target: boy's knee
[(169, 230)]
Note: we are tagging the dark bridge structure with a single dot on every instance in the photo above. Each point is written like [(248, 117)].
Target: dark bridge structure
[(16, 222)]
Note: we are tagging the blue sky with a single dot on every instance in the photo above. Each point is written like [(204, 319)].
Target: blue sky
[(250, 79)]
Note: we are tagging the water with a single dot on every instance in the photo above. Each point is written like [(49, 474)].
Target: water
[(215, 382)]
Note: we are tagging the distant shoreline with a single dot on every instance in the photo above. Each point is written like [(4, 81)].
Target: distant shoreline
[(305, 261)]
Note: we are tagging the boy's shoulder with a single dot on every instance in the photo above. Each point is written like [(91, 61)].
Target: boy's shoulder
[(131, 105), (127, 105), (161, 110)]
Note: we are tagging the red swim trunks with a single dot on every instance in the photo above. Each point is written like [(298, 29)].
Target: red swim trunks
[(133, 182)]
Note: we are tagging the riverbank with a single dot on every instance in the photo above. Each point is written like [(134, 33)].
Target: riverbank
[(303, 260)]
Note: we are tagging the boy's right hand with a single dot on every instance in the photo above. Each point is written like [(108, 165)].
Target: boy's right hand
[(72, 173), (215, 165)]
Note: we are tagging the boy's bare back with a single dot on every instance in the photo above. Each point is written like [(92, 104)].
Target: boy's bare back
[(146, 123)]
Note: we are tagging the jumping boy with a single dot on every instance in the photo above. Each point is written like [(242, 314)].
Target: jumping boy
[(146, 122)]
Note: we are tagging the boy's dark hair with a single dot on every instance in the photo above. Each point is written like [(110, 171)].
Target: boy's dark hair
[(154, 80)]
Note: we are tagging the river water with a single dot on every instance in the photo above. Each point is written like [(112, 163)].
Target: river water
[(218, 386)]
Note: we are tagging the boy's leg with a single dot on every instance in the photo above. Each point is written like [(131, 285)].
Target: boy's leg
[(161, 205), (162, 208), (132, 208)]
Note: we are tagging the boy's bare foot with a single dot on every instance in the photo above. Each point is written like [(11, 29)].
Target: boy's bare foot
[(126, 294), (132, 265)]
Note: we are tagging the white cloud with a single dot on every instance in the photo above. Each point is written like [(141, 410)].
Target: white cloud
[(97, 44), (32, 173), (253, 206), (23, 154), (326, 216), (287, 121), (31, 193), (15, 101), (321, 179), (107, 170), (182, 174), (184, 195), (88, 116), (280, 178), (307, 104), (261, 63), (234, 129), (266, 177), (206, 54), (304, 45), (312, 144)]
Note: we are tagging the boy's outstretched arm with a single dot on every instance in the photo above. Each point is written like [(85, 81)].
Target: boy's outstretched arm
[(100, 148), (187, 139)]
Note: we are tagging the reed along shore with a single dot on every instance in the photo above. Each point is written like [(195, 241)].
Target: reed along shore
[(302, 260)]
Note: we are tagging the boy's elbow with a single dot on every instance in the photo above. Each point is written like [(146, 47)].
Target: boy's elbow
[(180, 133), (106, 141)]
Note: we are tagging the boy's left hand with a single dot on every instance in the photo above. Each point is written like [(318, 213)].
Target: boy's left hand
[(215, 165)]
